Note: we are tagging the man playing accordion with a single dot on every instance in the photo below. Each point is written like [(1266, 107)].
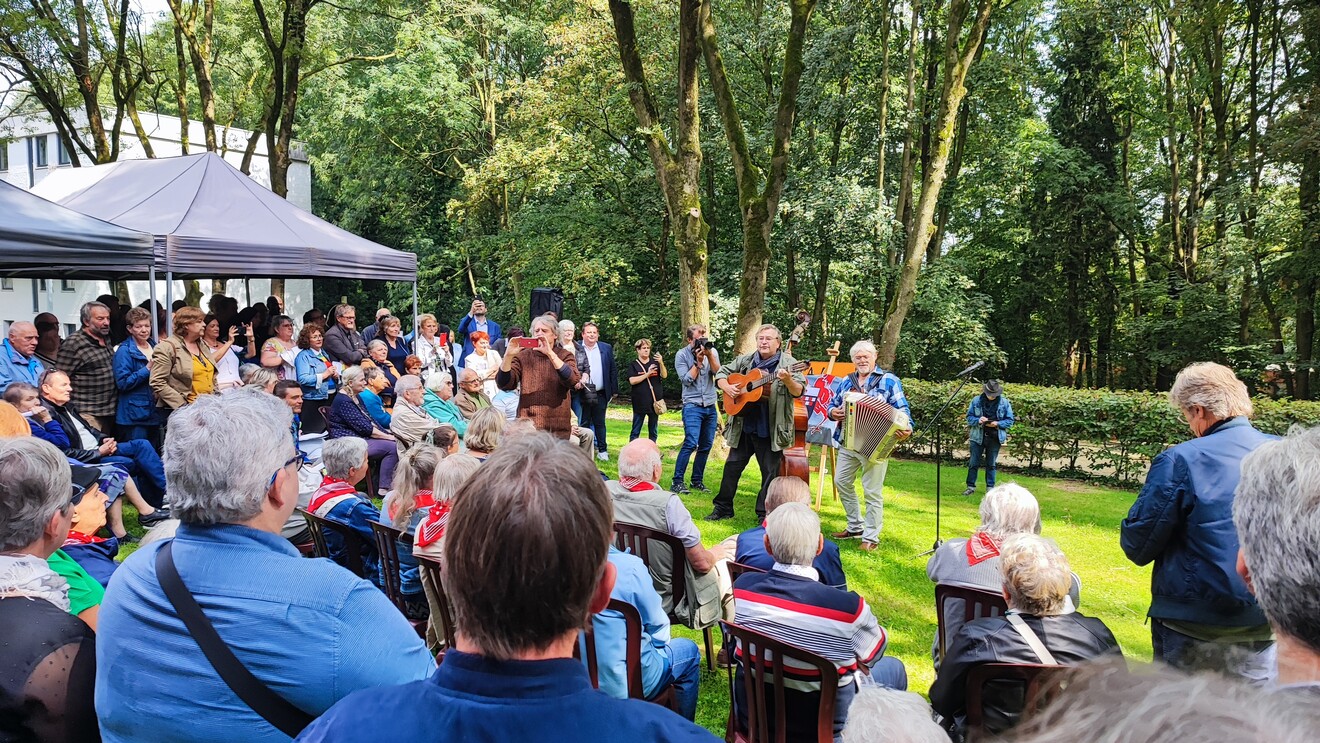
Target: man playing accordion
[(883, 385)]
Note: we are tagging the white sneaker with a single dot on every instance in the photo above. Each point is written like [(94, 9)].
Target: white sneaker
[(603, 456)]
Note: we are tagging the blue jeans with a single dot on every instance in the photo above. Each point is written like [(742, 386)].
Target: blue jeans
[(150, 434), (144, 465), (698, 436), (1247, 660), (575, 401), (987, 452), (684, 674), (652, 421)]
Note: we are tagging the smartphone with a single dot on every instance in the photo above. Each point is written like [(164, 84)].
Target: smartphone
[(525, 342), (444, 340)]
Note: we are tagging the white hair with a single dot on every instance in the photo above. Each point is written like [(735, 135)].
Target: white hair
[(35, 482), (377, 343), (1277, 514), (1009, 509), (220, 455), (544, 322), (450, 474), (566, 325), (349, 376), (339, 456), (882, 715), (407, 383), (438, 380), (638, 459), (1036, 574), (862, 345), (794, 533), (1213, 387)]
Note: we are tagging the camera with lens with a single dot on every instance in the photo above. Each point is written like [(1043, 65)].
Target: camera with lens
[(701, 343)]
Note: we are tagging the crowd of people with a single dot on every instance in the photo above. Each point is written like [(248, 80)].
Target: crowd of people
[(481, 450)]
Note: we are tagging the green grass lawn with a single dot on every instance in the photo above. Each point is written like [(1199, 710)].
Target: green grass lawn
[(1082, 518)]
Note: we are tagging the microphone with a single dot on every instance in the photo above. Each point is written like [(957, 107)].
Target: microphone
[(971, 368)]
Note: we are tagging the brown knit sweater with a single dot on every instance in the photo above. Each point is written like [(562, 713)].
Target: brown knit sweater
[(544, 396)]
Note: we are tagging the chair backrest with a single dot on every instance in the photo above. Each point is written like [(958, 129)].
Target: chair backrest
[(387, 545), (433, 582), (352, 545), (738, 569), (638, 540), (1043, 683), (977, 604), (632, 620), (763, 681)]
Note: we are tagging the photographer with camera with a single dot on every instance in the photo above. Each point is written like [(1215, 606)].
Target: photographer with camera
[(696, 364)]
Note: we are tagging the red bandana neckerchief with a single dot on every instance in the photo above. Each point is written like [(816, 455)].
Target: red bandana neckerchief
[(634, 485), (981, 547), (77, 537), (433, 526), (423, 499), (331, 487)]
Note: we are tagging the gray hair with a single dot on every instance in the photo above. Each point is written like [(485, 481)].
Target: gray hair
[(245, 372), (566, 325), (213, 478), (467, 375), (639, 458), (407, 383), (349, 376), (1213, 387), (1103, 702), (377, 343), (14, 327), (544, 322), (261, 377), (85, 312), (794, 533), (882, 715), (34, 484), (1009, 509), (435, 381), (1036, 574), (1277, 514), (340, 310), (859, 346), (450, 474), (340, 456), (768, 326), (484, 430)]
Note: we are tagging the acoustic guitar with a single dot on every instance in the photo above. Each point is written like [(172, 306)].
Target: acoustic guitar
[(753, 384)]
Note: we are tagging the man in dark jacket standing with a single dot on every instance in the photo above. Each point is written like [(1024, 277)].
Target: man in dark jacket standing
[(343, 343), (1202, 613)]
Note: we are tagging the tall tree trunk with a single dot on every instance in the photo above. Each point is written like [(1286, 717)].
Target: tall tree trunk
[(958, 58), (181, 87)]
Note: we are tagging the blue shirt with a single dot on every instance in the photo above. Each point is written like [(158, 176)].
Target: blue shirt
[(478, 700), (751, 551), (699, 391), (879, 383), (14, 367), (632, 585), (375, 408), (309, 629)]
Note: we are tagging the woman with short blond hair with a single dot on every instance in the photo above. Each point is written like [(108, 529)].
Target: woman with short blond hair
[(181, 368)]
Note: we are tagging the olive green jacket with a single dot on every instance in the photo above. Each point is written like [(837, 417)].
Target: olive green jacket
[(781, 402)]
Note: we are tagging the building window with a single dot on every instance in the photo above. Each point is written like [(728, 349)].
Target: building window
[(70, 329), (6, 285), (61, 153), (4, 156), (66, 285), (42, 159)]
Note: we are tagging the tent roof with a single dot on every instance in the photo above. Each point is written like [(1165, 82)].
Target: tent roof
[(40, 238), (211, 220)]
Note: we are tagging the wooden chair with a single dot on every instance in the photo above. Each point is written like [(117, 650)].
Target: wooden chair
[(632, 620), (763, 682), (638, 540), (977, 604), (433, 582), (352, 548), (387, 545), (1042, 684), (738, 569)]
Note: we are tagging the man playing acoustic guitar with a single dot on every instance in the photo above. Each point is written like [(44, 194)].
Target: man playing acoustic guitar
[(761, 427)]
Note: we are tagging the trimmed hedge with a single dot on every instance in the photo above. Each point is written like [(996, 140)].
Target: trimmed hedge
[(1082, 433)]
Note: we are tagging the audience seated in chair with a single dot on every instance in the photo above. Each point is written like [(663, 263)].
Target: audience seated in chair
[(407, 506), (48, 656), (520, 595), (1006, 510), (471, 397), (484, 433), (307, 629), (96, 555), (639, 499), (338, 500), (438, 402), (1036, 583), (790, 604), (749, 546), (665, 660), (1277, 512)]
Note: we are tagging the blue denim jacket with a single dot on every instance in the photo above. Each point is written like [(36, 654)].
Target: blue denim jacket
[(136, 406), (1002, 412), (308, 365)]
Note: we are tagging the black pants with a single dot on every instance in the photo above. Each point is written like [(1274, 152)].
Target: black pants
[(766, 458), (593, 417)]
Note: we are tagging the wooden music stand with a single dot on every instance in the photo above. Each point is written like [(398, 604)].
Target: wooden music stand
[(825, 450)]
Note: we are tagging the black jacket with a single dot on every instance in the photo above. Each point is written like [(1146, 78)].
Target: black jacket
[(1070, 638), (64, 415), (344, 346)]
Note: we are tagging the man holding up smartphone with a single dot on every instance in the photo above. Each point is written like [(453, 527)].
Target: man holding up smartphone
[(546, 373), (473, 321)]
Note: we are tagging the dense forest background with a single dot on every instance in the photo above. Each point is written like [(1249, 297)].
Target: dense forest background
[(1084, 192)]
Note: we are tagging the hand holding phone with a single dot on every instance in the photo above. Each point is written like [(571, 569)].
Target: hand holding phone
[(526, 342)]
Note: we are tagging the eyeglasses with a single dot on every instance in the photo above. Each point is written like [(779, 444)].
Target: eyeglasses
[(77, 495), (299, 458)]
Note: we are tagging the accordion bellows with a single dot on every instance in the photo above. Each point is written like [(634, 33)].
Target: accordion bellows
[(871, 426)]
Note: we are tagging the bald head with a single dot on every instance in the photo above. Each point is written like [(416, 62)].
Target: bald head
[(23, 337), (640, 458), (466, 376)]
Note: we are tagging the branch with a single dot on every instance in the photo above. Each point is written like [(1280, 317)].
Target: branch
[(346, 60), (745, 171)]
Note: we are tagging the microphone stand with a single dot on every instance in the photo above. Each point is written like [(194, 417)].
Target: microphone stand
[(939, 457)]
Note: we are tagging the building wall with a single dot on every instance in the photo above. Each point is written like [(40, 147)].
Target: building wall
[(20, 137)]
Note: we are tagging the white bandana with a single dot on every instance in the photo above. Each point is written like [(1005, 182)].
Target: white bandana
[(31, 576)]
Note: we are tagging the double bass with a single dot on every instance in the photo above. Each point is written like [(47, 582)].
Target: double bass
[(795, 462)]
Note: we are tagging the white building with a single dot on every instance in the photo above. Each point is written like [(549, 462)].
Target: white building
[(30, 150)]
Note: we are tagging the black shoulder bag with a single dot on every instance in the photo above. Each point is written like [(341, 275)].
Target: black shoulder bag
[(272, 707)]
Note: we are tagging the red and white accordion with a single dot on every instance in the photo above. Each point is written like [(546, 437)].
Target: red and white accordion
[(871, 426)]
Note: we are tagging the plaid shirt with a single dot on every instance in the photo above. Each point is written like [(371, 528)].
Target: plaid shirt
[(90, 366)]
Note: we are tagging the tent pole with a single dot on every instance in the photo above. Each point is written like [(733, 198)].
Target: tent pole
[(415, 329), (247, 290), (169, 297), (151, 280)]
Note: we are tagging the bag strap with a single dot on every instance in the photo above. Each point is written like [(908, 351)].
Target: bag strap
[(1029, 636), (272, 707)]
